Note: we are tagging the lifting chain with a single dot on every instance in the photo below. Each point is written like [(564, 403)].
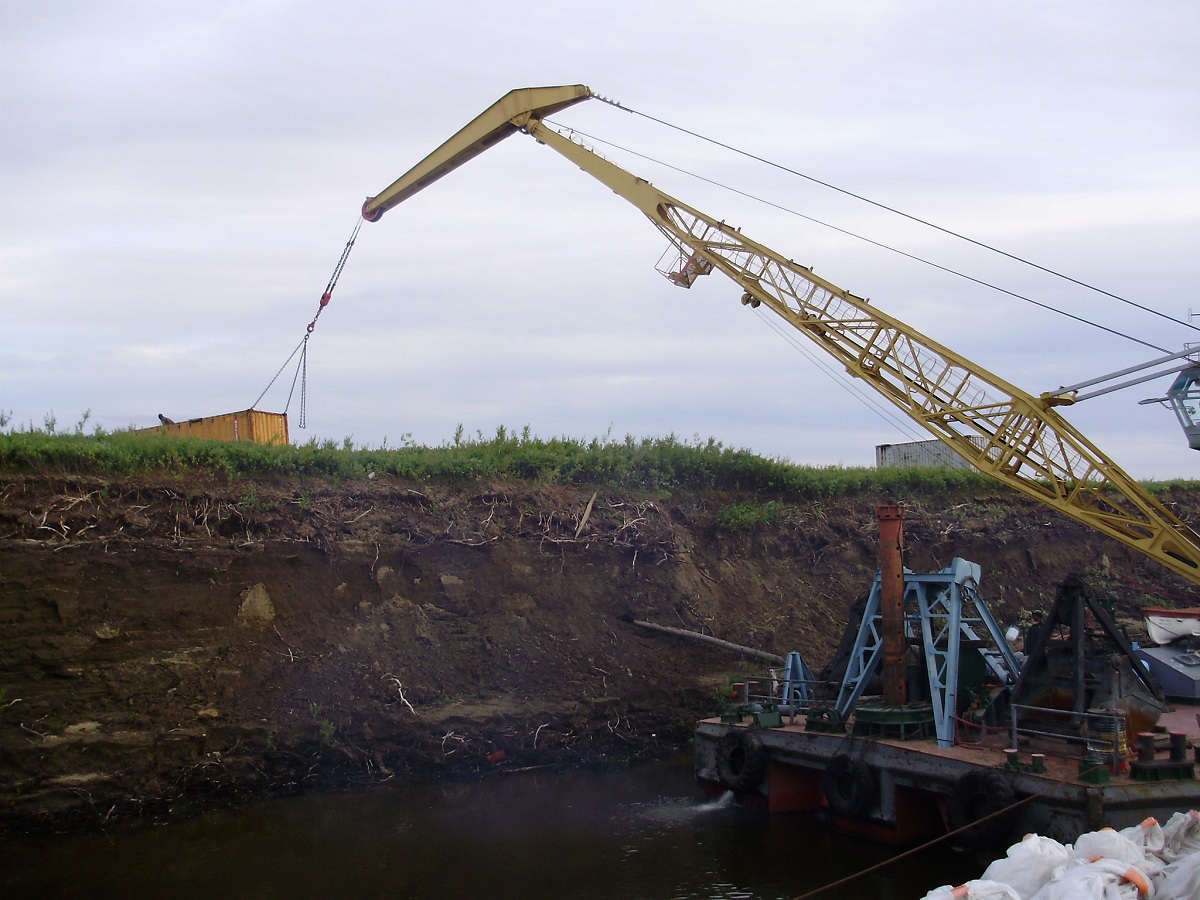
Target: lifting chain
[(302, 347)]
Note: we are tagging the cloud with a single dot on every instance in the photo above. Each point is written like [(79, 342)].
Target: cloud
[(180, 181)]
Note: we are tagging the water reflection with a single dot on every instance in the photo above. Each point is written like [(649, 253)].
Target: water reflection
[(641, 833)]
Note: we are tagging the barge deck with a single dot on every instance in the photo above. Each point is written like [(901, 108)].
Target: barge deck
[(901, 791)]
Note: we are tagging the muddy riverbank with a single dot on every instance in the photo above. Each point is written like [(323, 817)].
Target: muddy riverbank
[(172, 643)]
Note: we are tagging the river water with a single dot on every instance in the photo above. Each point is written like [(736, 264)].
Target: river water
[(644, 832)]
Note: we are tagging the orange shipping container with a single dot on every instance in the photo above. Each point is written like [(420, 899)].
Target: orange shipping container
[(248, 425)]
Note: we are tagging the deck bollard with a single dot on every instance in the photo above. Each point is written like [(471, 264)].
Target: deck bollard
[(1145, 742), (1178, 746)]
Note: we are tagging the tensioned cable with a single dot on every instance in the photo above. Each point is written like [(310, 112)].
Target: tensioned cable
[(882, 246), (865, 398), (868, 400), (851, 387), (897, 212), (302, 343)]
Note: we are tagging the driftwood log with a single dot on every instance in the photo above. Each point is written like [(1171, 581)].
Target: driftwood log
[(709, 639)]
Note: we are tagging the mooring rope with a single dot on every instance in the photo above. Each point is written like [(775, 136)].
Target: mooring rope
[(918, 849)]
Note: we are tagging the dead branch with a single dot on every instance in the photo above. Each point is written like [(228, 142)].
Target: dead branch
[(403, 699), (479, 543), (359, 516), (587, 512)]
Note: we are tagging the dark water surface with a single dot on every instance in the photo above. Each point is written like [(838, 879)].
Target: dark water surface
[(645, 832)]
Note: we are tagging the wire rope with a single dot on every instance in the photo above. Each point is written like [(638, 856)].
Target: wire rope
[(303, 342), (873, 242), (839, 377), (898, 212)]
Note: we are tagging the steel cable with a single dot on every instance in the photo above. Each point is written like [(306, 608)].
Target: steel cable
[(901, 213), (883, 246)]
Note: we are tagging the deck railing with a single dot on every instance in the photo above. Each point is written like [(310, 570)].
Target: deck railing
[(1100, 732), (1097, 733), (789, 696)]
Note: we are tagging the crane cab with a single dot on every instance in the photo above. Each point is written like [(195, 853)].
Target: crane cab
[(1184, 397)]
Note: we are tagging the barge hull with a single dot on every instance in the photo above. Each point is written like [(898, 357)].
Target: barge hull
[(919, 787)]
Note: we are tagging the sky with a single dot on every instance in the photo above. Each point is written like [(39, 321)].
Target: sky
[(178, 182)]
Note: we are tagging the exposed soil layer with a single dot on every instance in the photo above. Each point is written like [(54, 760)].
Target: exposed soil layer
[(173, 643)]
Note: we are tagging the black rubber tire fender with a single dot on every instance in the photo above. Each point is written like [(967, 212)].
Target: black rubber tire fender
[(851, 786), (741, 760), (980, 793)]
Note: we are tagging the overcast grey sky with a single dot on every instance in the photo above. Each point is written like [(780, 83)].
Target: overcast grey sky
[(179, 181)]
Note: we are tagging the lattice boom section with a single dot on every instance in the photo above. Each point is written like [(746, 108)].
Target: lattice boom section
[(1023, 442)]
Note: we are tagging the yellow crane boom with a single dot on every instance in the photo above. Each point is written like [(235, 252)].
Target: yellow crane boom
[(1013, 436)]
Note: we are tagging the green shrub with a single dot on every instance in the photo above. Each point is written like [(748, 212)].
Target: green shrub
[(744, 516)]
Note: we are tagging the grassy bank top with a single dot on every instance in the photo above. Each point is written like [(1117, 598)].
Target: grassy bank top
[(647, 463)]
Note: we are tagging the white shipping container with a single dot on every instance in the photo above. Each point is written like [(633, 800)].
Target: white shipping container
[(922, 454)]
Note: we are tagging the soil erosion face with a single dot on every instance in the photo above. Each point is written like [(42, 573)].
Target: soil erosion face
[(171, 643)]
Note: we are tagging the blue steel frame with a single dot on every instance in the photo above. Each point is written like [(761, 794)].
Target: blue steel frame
[(938, 606)]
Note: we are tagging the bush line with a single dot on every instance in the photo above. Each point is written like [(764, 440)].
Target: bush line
[(646, 463)]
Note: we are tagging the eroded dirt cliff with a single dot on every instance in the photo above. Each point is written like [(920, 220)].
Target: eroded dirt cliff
[(171, 643)]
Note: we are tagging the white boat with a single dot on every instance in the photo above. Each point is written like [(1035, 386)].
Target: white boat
[(1165, 626)]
